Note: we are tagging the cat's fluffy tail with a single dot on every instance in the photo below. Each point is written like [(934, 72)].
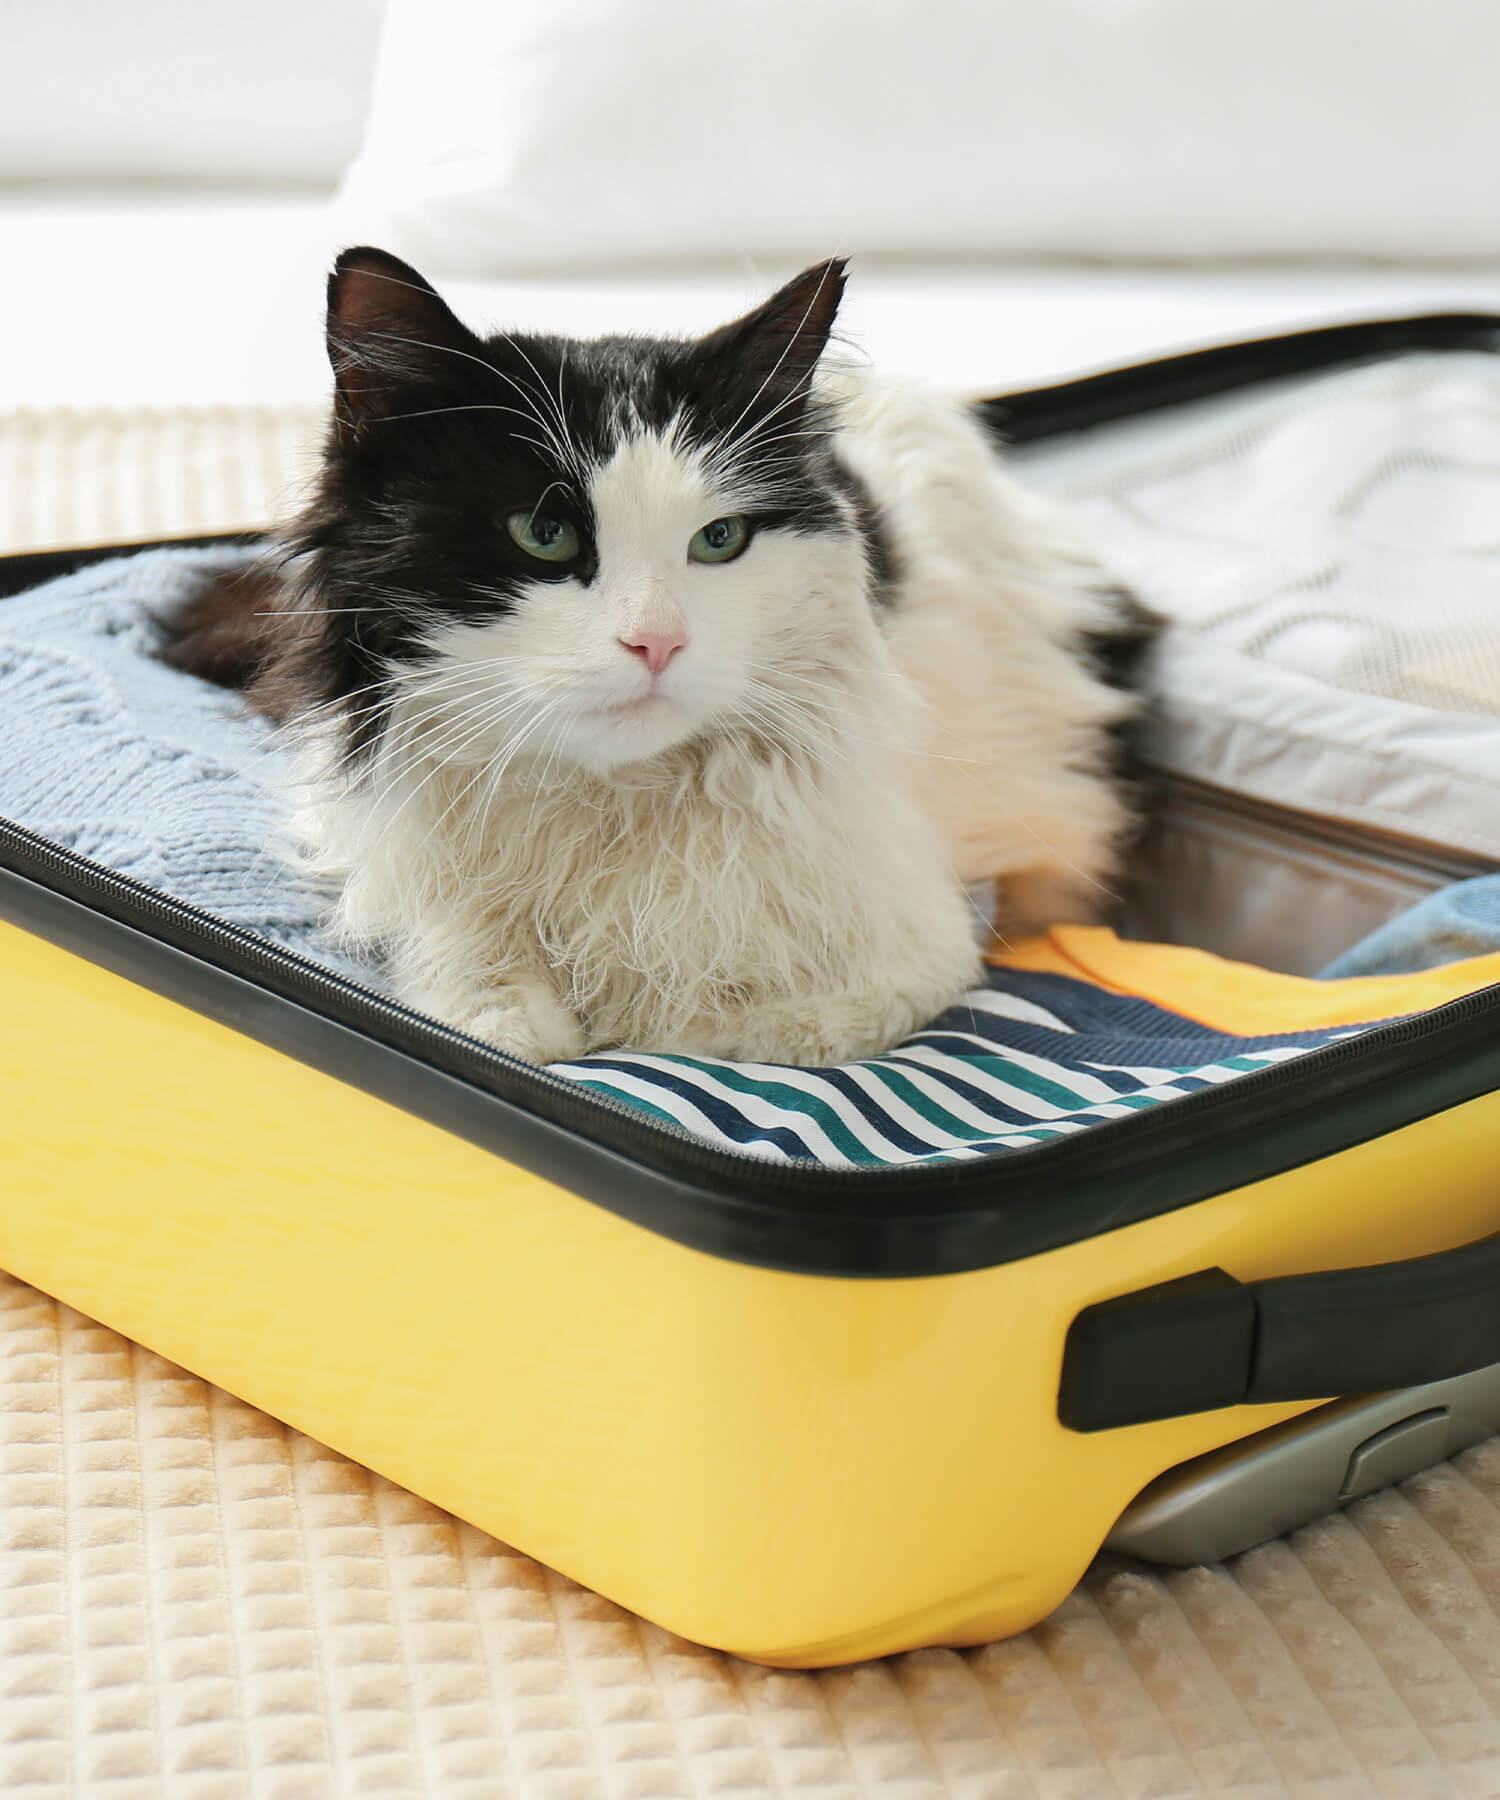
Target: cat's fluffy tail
[(223, 632), (234, 631)]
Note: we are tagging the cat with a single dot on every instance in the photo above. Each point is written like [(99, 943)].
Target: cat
[(667, 693)]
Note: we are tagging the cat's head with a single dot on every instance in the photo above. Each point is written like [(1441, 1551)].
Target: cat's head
[(585, 550)]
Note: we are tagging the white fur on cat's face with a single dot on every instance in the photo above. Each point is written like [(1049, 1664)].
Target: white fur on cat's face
[(564, 686)]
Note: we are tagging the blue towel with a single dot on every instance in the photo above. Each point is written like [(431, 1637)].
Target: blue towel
[(1457, 921)]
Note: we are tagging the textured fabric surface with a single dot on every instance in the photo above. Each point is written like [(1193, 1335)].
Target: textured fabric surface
[(80, 477), (199, 1604), (1458, 921), (1038, 1057), (1328, 558), (1345, 531), (118, 758), (1237, 997)]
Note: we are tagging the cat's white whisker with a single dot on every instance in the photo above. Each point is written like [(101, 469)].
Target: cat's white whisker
[(1054, 853), (913, 748), (504, 763), (493, 772), (794, 339), (438, 412), (556, 438), (571, 458), (437, 707), (542, 497), (389, 688), (554, 745), (439, 756)]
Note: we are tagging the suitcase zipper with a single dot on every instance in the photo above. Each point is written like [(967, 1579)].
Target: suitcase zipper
[(204, 929), (617, 1126)]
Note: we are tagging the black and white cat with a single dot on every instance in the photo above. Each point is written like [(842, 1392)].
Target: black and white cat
[(667, 693)]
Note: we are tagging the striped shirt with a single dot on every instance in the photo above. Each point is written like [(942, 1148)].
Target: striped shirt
[(1029, 1057)]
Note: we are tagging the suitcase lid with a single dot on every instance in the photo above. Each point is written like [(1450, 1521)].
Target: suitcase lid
[(1327, 551)]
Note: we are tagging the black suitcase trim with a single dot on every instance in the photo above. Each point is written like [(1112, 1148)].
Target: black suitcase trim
[(895, 1222), (1031, 414)]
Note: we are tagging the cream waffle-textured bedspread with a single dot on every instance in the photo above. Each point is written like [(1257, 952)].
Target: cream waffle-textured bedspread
[(197, 1602)]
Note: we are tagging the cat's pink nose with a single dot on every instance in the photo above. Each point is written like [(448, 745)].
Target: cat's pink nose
[(655, 648)]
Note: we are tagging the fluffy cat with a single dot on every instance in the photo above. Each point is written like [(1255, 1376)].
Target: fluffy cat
[(667, 693)]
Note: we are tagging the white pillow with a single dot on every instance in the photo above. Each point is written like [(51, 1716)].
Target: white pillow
[(508, 137), (97, 90)]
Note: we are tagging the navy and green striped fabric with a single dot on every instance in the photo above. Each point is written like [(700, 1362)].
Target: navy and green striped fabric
[(1032, 1056)]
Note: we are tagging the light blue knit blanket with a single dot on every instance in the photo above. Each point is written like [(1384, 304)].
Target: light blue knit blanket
[(105, 750), (165, 778)]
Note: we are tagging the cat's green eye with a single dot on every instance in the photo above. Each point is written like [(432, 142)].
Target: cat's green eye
[(721, 540), (541, 535)]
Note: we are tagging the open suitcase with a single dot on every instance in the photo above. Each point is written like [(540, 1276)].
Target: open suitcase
[(812, 1414)]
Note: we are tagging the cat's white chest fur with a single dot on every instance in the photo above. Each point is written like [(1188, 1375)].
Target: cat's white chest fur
[(786, 885), (727, 906)]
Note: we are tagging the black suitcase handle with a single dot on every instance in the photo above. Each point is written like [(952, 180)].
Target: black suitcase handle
[(1027, 414), (1207, 1340)]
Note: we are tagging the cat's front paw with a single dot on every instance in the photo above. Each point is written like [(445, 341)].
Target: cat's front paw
[(525, 1021)]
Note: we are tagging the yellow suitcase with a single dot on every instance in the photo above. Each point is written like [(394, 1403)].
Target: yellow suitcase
[(807, 1415)]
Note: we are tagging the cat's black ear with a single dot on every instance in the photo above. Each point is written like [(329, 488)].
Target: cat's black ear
[(387, 329), (774, 350)]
